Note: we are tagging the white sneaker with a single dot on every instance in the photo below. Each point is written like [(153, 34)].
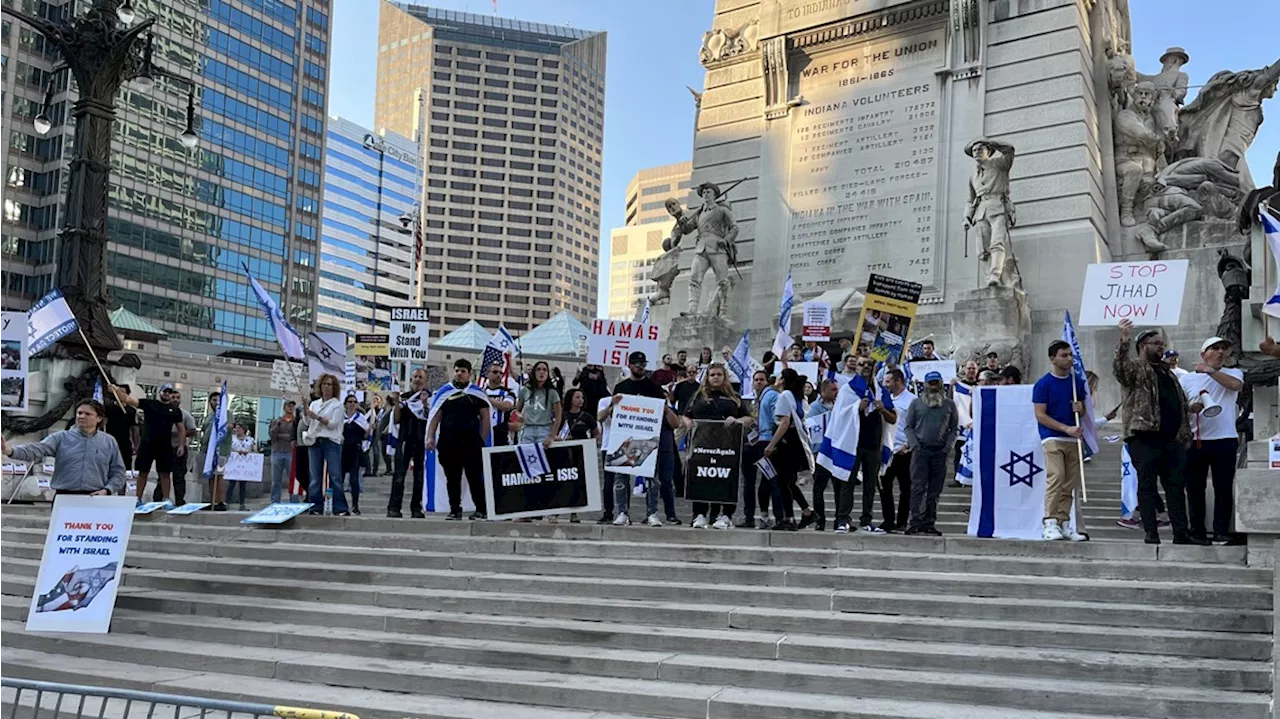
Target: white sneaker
[(1074, 536), (871, 529), (723, 522), (653, 521), (700, 521), (621, 520), (1051, 530)]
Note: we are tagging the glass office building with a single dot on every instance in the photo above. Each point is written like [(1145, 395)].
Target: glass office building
[(634, 249), (184, 223), (513, 114), (366, 251)]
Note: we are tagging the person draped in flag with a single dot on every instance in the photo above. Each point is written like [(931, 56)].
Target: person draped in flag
[(501, 401), (458, 430), (410, 417), (787, 453), (1058, 408), (322, 425), (815, 419), (1156, 431), (1214, 439), (899, 470), (716, 400), (875, 408), (930, 427), (355, 428)]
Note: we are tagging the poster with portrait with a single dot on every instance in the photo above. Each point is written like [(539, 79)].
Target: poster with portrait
[(13, 361), (887, 313), (373, 363)]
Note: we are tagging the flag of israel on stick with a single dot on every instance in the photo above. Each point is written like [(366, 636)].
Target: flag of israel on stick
[(1087, 425), (533, 459), (964, 470), (286, 335), (740, 365), (219, 431), (782, 340), (49, 320), (1128, 484), (497, 350), (644, 314), (97, 390), (1271, 229), (1008, 491)]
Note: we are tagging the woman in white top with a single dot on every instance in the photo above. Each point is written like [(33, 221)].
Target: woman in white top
[(241, 443), (321, 426)]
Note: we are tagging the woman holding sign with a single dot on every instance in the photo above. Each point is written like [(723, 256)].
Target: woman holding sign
[(241, 443), (716, 400)]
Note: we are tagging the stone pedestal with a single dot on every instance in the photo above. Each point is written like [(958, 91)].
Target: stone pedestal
[(992, 319), (693, 332)]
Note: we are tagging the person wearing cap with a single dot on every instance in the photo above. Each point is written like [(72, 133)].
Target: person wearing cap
[(1171, 358), (931, 426), (1156, 431), (159, 417), (993, 363), (642, 384), (1058, 398), (1171, 89), (1215, 441)]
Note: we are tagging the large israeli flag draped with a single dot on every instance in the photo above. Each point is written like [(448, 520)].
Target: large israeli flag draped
[(1087, 425), (782, 340), (964, 470), (1128, 484), (740, 365), (219, 431), (1008, 491), (49, 320), (1271, 229), (840, 443), (286, 335)]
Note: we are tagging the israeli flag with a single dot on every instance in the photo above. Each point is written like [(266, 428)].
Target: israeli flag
[(533, 459), (49, 320), (1128, 484), (1271, 229), (839, 449), (964, 470), (97, 391), (644, 314), (1088, 426), (286, 335), (782, 340), (219, 431), (1008, 496), (740, 365)]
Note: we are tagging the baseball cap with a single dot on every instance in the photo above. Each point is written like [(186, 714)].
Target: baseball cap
[(1170, 353), (637, 357), (933, 377), (1214, 341), (166, 388), (1144, 335)]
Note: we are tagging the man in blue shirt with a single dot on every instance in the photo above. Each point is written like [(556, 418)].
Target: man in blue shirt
[(1058, 409), (766, 423)]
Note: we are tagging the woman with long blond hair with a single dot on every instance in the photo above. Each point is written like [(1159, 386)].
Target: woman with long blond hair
[(715, 400)]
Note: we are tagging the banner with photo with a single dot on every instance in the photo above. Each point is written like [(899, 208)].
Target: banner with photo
[(887, 312), (373, 363), (634, 433), (13, 361), (82, 564), (571, 485), (714, 462)]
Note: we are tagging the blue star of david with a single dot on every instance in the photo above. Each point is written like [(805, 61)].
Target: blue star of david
[(968, 452), (1124, 468), (1032, 468)]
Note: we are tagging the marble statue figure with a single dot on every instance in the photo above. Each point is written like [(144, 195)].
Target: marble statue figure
[(1171, 90), (667, 266), (1138, 145), (1224, 117), (991, 212)]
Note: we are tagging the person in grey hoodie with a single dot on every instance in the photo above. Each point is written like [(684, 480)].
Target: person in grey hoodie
[(87, 459), (931, 427)]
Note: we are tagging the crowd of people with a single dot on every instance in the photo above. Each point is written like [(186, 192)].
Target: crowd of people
[(324, 445)]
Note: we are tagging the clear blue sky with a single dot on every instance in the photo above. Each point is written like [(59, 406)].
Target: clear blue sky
[(653, 55)]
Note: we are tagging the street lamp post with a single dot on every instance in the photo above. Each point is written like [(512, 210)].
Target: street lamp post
[(101, 51)]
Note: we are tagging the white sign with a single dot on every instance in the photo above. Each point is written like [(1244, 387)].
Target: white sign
[(808, 370), (634, 433), (612, 341), (817, 321), (243, 467), (920, 368), (285, 375), (81, 568), (1273, 452), (410, 328), (13, 361), (1146, 293)]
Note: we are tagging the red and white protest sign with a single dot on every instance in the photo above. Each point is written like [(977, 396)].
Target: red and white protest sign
[(817, 321), (612, 341), (1146, 293)]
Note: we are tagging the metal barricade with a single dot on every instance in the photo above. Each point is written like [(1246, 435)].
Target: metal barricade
[(26, 699)]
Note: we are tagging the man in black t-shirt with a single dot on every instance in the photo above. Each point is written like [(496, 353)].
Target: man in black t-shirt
[(122, 424), (462, 424), (158, 419), (685, 388), (501, 402)]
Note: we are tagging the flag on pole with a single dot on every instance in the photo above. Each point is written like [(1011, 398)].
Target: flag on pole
[(97, 391), (782, 340), (964, 470), (286, 335), (499, 350), (49, 320), (644, 314), (1087, 425), (222, 413), (740, 365), (1271, 229), (1128, 484)]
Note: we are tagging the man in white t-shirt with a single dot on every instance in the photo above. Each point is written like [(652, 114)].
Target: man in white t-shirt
[(899, 471), (1215, 441)]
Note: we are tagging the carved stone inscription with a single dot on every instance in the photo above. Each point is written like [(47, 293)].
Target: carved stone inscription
[(864, 159)]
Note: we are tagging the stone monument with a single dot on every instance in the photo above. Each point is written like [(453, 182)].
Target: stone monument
[(715, 251)]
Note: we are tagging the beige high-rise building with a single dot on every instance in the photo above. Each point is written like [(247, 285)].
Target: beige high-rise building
[(634, 248), (514, 128)]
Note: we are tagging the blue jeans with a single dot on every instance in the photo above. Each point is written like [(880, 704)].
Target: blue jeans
[(281, 465), (622, 484), (532, 434), (664, 483), (326, 452)]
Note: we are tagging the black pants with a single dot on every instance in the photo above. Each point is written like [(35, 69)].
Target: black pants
[(458, 457), (899, 473), (821, 478), (750, 455), (178, 481), (1164, 460), (786, 492), (868, 462), (928, 473), (1218, 455), (404, 455)]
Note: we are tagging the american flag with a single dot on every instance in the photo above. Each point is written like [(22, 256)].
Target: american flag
[(916, 350), (499, 350)]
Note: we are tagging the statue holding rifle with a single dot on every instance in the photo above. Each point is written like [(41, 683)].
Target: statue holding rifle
[(716, 249)]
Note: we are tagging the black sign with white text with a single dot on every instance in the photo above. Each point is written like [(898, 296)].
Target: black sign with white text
[(572, 485), (714, 463)]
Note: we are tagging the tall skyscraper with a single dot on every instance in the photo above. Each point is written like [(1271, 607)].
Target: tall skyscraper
[(515, 128), (184, 223), (366, 252), (634, 248)]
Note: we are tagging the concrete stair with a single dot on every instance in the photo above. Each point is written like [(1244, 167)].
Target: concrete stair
[(392, 618)]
